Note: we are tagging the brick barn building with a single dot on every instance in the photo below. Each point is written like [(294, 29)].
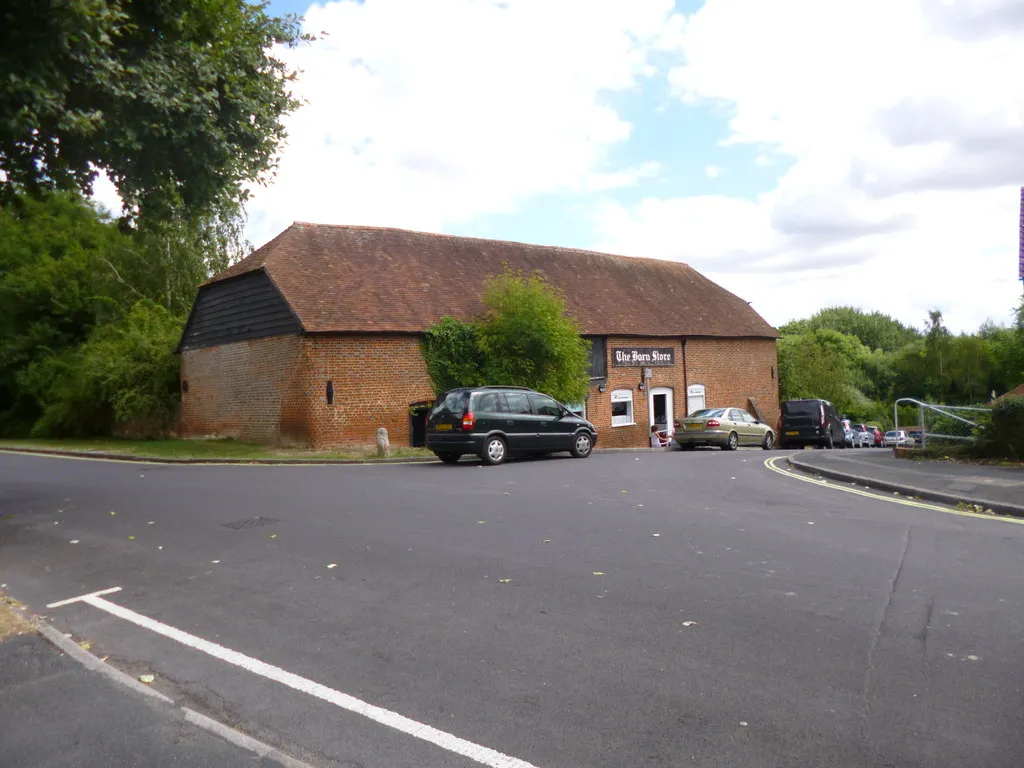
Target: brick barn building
[(314, 338)]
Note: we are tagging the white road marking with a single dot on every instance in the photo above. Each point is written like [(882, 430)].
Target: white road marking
[(447, 741), (82, 598), (770, 463)]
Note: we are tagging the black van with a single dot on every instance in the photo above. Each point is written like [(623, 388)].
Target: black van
[(494, 422), (810, 422)]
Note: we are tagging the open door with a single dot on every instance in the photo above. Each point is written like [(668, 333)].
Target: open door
[(418, 413), (660, 409)]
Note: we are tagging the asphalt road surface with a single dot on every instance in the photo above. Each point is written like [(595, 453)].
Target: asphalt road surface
[(661, 609)]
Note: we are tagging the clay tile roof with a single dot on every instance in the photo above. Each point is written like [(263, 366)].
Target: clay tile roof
[(348, 278)]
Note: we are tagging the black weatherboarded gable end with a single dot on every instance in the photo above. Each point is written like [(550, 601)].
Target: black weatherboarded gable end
[(246, 307)]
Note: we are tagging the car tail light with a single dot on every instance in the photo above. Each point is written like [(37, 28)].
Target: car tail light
[(714, 423), (468, 420)]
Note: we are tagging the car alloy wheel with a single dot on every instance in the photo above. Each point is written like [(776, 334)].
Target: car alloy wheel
[(769, 441), (494, 452), (581, 446), (734, 441)]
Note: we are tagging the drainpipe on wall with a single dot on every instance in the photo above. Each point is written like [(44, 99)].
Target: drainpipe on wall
[(686, 384)]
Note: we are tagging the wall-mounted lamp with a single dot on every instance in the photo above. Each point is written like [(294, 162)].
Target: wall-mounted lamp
[(601, 388), (642, 386)]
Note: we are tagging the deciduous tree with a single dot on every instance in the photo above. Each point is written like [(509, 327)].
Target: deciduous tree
[(525, 338), (179, 101)]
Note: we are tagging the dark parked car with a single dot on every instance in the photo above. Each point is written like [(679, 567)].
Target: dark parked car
[(811, 422), (496, 422)]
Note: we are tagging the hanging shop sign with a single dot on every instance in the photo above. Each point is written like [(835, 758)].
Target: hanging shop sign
[(638, 357)]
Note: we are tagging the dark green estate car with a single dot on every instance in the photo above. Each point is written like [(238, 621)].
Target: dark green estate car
[(496, 422)]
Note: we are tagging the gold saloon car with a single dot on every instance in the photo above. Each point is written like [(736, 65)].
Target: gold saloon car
[(728, 428)]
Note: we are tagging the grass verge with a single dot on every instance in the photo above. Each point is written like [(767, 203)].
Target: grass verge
[(11, 621), (202, 449)]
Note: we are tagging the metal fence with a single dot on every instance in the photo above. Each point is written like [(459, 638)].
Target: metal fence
[(940, 422)]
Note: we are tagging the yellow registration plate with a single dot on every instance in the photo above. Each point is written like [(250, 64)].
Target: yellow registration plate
[(695, 426), (444, 427), (794, 432)]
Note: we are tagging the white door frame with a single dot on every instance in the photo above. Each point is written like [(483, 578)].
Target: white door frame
[(669, 407)]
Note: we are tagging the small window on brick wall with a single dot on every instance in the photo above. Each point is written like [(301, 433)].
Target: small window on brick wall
[(622, 407), (330, 393), (184, 385)]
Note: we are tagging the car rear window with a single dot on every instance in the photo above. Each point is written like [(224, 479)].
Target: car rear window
[(708, 413), (450, 404), (801, 408)]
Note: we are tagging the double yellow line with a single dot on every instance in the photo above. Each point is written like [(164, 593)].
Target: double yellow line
[(835, 485)]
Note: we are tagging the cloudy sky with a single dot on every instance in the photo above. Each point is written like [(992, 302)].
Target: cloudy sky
[(801, 153)]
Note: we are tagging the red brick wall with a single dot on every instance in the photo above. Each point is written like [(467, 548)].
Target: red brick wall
[(599, 405), (274, 390), (246, 390), (735, 370), (376, 379)]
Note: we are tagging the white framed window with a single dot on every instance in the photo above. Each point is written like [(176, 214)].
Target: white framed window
[(695, 398), (622, 407)]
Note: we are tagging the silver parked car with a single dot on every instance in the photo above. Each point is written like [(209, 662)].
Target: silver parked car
[(728, 428), (894, 438), (862, 436)]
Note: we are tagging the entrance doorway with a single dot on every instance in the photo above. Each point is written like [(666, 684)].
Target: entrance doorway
[(660, 409), (418, 413)]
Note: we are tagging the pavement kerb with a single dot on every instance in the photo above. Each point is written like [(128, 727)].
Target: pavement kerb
[(86, 659), (191, 460), (71, 648), (952, 499)]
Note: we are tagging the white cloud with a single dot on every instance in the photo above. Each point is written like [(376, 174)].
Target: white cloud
[(900, 125), (426, 114), (903, 123)]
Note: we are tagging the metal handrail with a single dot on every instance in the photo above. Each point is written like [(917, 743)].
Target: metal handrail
[(938, 409)]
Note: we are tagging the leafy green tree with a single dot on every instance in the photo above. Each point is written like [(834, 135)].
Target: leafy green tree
[(170, 259), (875, 330), (1005, 352), (1003, 435), (124, 379), (524, 339), (528, 339), (57, 282), (179, 101), (451, 349), (67, 270), (823, 363)]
